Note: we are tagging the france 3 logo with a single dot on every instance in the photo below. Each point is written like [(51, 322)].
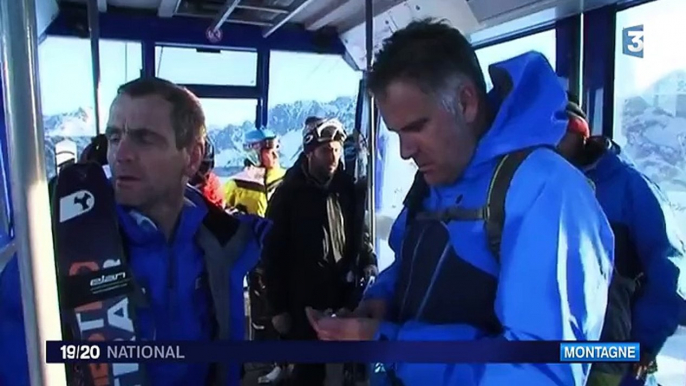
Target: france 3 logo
[(632, 41)]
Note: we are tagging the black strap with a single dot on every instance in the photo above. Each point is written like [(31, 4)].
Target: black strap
[(492, 213), (497, 193), (419, 190)]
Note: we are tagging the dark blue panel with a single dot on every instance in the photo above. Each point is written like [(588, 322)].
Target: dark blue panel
[(148, 52), (263, 60), (468, 351), (567, 50), (212, 91), (191, 32), (599, 68)]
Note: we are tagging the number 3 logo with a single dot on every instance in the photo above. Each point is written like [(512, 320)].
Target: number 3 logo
[(632, 41)]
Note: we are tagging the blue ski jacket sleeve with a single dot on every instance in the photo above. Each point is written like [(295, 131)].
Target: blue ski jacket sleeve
[(660, 248), (557, 247)]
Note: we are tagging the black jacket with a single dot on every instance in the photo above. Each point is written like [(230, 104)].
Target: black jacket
[(313, 226)]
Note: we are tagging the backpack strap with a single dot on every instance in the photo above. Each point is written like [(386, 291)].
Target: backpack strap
[(492, 213), (494, 210), (419, 190)]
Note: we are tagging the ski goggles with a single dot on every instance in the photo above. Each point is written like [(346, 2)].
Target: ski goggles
[(327, 131), (270, 143)]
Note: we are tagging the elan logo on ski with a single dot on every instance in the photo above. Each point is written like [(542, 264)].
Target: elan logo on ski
[(76, 204), (95, 283), (108, 279)]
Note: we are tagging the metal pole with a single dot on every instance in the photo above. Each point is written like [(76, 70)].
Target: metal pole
[(94, 31), (371, 164), (29, 187)]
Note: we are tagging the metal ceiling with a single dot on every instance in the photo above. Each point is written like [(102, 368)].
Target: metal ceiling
[(268, 14)]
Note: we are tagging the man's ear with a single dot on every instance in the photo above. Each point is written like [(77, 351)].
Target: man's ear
[(468, 100), (194, 158)]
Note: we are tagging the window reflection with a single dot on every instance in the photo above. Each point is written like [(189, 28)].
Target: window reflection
[(66, 87), (302, 85), (227, 121), (214, 67)]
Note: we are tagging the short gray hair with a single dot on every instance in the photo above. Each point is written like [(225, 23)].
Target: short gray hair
[(431, 54)]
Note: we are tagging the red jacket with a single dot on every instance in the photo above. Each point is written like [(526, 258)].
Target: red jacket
[(212, 190)]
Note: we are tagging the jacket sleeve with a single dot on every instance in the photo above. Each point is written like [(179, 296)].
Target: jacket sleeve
[(654, 231), (275, 255), (384, 285), (367, 255), (556, 263), (13, 366)]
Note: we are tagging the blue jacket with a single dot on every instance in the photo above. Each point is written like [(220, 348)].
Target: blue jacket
[(179, 308), (556, 253), (648, 242)]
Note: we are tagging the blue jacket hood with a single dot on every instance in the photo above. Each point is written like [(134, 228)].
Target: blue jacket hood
[(530, 104)]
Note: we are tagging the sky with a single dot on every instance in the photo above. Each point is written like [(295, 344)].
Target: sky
[(65, 68)]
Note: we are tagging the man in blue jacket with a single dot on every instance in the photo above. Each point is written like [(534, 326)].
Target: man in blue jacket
[(648, 289), (550, 278), (188, 257)]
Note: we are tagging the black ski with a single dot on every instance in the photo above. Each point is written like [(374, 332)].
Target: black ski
[(96, 286)]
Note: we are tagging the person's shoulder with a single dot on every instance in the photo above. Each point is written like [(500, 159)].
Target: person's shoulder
[(546, 170), (221, 224), (547, 166)]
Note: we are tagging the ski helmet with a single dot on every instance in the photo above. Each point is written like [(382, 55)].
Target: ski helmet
[(322, 131), (259, 139)]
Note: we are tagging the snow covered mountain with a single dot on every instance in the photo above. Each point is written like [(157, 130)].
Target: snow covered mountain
[(285, 119)]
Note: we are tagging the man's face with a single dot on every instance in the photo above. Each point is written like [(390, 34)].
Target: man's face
[(269, 157), (147, 168), (439, 142), (325, 158)]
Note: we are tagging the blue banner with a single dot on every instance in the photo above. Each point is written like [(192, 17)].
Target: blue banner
[(600, 352), (485, 351)]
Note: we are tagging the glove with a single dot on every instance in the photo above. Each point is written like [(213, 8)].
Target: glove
[(639, 372)]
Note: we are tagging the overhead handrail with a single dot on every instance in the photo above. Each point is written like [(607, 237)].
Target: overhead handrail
[(295, 8), (224, 14)]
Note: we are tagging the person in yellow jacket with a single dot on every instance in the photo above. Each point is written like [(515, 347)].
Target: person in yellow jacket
[(250, 190)]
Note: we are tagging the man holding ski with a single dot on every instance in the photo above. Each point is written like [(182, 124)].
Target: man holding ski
[(179, 247)]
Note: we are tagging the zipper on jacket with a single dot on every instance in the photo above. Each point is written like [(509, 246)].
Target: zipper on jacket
[(171, 284)]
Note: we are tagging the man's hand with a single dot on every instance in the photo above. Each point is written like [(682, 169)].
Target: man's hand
[(370, 270), (282, 323), (371, 308), (341, 328), (639, 372)]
